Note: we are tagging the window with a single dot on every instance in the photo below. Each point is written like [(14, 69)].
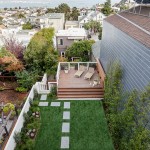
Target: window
[(60, 41)]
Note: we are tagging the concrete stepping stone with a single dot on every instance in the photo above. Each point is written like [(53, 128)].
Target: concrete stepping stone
[(66, 115), (67, 105), (65, 127), (56, 104), (43, 103), (43, 97), (64, 142)]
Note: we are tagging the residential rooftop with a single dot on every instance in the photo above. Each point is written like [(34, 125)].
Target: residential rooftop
[(52, 16), (72, 32), (134, 24)]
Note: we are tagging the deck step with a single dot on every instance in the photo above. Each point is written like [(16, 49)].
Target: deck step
[(80, 96), (80, 89), (80, 93)]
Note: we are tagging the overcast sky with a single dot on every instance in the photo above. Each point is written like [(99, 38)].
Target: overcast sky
[(51, 3)]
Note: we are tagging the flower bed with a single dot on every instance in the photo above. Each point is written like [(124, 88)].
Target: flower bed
[(25, 139)]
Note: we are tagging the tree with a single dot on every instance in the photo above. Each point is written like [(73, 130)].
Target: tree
[(15, 47), (127, 114), (40, 54), (1, 18), (64, 8), (81, 49), (74, 14), (50, 10), (9, 62), (27, 26), (107, 8), (21, 15), (93, 26)]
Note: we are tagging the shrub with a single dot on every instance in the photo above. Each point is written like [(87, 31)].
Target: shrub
[(17, 137), (6, 109), (21, 89), (26, 79), (53, 92), (1, 89)]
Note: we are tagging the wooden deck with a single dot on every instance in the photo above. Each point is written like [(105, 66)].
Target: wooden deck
[(68, 80)]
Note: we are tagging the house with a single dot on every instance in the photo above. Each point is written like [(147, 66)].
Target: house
[(55, 20), (92, 15), (71, 24), (65, 38), (126, 38)]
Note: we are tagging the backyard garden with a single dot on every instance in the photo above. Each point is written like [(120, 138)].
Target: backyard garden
[(85, 127)]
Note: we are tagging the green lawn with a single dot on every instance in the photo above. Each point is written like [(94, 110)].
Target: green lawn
[(88, 127)]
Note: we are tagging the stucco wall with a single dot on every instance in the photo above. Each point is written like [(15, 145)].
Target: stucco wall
[(134, 57)]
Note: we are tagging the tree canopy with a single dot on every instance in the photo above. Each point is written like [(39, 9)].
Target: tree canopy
[(27, 26), (127, 113), (81, 49), (107, 8), (93, 26), (65, 8), (40, 54)]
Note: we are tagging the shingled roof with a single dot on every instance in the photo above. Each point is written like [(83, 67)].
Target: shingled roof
[(135, 25)]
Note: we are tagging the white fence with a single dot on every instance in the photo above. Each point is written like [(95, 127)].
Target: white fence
[(40, 87), (19, 124)]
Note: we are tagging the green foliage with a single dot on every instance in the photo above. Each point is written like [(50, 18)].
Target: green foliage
[(21, 89), (17, 137), (53, 92), (27, 26), (64, 8), (24, 142), (1, 18), (127, 114), (40, 54), (93, 26), (21, 15), (74, 14), (107, 8), (26, 79), (100, 35), (80, 48), (1, 88)]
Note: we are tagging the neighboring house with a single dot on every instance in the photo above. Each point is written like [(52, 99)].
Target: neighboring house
[(65, 38), (55, 20), (71, 24), (12, 30), (92, 15), (23, 36), (126, 38)]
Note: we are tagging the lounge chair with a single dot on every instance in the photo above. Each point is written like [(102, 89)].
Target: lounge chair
[(89, 74), (80, 71)]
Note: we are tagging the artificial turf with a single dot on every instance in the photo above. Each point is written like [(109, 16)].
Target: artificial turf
[(88, 127)]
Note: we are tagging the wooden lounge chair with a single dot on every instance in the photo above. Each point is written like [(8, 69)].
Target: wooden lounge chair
[(89, 74), (80, 71)]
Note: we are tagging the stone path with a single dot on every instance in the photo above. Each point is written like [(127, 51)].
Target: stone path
[(64, 142), (43, 103), (56, 104), (66, 115), (43, 97), (66, 127), (66, 105)]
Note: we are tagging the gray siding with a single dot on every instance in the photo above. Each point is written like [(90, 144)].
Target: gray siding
[(134, 57)]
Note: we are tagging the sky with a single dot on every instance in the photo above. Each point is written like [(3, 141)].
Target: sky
[(50, 3)]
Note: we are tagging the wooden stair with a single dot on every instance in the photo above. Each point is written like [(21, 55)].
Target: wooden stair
[(94, 92)]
